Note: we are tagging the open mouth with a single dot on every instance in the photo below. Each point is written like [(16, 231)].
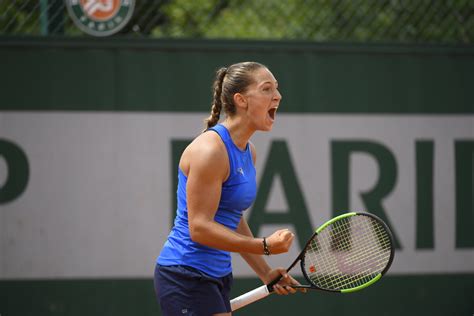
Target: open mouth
[(272, 113)]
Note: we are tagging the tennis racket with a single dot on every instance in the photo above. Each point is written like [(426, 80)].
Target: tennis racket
[(344, 255)]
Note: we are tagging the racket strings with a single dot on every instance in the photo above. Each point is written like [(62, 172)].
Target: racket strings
[(348, 266), (348, 253), (368, 265), (365, 275)]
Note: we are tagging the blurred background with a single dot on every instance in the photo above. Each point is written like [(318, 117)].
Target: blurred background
[(100, 97), (423, 21)]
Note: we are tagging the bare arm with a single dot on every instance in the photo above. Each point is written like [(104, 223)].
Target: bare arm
[(263, 270), (256, 262), (206, 164)]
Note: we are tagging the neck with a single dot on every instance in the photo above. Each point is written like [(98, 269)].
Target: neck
[(239, 131)]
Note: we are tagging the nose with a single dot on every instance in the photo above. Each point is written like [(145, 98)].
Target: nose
[(277, 96)]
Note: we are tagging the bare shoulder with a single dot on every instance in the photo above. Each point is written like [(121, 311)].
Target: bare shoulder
[(205, 154)]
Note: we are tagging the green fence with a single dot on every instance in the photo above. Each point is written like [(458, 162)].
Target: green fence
[(420, 21)]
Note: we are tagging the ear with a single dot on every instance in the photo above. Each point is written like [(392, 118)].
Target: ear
[(240, 101)]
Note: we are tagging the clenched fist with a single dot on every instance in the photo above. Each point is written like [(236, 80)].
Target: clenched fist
[(280, 241)]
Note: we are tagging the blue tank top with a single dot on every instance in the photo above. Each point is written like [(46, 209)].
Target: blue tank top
[(238, 193)]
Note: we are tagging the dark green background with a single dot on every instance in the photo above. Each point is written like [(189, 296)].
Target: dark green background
[(393, 295), (171, 75)]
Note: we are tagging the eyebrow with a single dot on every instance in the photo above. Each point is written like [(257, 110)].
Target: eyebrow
[(270, 82)]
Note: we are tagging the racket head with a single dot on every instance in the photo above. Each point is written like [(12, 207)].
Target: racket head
[(348, 253)]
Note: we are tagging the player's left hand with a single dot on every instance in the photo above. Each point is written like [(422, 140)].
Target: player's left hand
[(283, 287)]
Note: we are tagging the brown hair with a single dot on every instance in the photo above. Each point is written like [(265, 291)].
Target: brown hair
[(229, 81)]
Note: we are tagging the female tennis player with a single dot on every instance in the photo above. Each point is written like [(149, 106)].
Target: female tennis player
[(216, 183)]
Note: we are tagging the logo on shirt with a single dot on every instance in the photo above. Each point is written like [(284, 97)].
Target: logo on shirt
[(240, 170)]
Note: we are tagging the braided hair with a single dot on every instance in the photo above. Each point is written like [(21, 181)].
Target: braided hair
[(229, 81)]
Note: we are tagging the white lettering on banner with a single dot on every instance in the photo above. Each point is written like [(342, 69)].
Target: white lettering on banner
[(99, 196)]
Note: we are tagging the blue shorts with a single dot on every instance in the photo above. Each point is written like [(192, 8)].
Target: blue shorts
[(182, 290)]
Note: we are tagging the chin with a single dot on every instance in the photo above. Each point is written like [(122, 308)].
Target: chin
[(267, 128), (264, 126)]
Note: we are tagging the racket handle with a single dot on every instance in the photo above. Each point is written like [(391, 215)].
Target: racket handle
[(249, 297)]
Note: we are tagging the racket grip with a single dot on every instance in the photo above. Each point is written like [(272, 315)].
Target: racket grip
[(249, 297)]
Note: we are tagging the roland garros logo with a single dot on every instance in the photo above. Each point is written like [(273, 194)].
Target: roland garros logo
[(100, 17)]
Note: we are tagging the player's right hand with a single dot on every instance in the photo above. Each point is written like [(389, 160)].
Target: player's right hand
[(280, 241)]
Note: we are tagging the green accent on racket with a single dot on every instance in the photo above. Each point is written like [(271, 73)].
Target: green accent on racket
[(346, 254), (329, 222), (363, 286)]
